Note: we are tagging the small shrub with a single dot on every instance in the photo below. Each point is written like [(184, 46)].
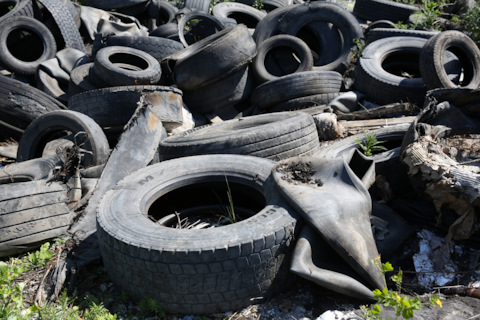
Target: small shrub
[(370, 145)]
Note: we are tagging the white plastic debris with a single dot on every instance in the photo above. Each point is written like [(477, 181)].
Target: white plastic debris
[(432, 263)]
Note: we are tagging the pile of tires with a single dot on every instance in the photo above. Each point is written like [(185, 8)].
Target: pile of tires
[(149, 103)]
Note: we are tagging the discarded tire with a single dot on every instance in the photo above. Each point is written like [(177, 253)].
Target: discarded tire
[(273, 136), (296, 85), (123, 66), (32, 213), (23, 54), (281, 55), (31, 170), (432, 66), (56, 124), (216, 269)]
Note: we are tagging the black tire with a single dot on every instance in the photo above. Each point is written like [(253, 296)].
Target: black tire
[(31, 170), (321, 25), (296, 85), (22, 54), (21, 103), (304, 102), (160, 12), (61, 123), (242, 13), (157, 47), (281, 55), (380, 33), (382, 86), (32, 213), (383, 10), (81, 79), (217, 269), (269, 5), (205, 18), (227, 91), (273, 136), (123, 66), (20, 8), (167, 30), (114, 106), (56, 87), (66, 23), (112, 4), (213, 58), (432, 65)]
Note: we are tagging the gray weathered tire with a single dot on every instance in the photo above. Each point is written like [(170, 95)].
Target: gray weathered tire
[(296, 85), (197, 271), (61, 123), (31, 170), (23, 57), (212, 58), (432, 65), (273, 136), (124, 66), (31, 213), (21, 103), (383, 9)]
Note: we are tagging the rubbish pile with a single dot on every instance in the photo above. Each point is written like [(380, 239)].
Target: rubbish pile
[(209, 152)]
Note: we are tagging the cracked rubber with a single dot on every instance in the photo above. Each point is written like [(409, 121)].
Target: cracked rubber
[(31, 213), (197, 271), (157, 47), (273, 136)]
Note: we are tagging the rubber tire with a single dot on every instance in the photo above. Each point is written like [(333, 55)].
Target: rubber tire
[(114, 106), (157, 47), (191, 271), (293, 19), (227, 91), (197, 15), (304, 102), (247, 15), (212, 58), (31, 170), (380, 33), (273, 136), (381, 86), (198, 5), (32, 213), (81, 79), (383, 10), (66, 23), (432, 67), (134, 67), (34, 27), (266, 52), (296, 85), (21, 103), (51, 125)]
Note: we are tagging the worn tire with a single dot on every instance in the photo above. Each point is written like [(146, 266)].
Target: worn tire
[(61, 123), (432, 66), (21, 103), (227, 91), (281, 55), (296, 85), (31, 170), (242, 13), (273, 136), (32, 213), (321, 25), (66, 23), (380, 33), (383, 10), (157, 47), (212, 58), (24, 55), (197, 271), (304, 102), (124, 66), (203, 18), (114, 106)]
